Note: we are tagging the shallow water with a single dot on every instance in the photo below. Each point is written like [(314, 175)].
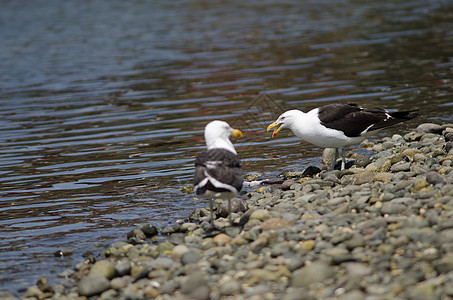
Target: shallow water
[(103, 105)]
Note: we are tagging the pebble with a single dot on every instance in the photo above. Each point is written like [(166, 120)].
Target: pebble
[(429, 128), (380, 229), (103, 268), (93, 284), (312, 273)]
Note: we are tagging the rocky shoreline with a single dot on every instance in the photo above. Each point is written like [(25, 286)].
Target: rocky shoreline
[(382, 229)]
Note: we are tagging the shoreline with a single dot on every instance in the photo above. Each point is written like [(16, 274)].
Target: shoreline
[(382, 229)]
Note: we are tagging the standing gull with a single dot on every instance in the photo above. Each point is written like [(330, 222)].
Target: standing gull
[(338, 125), (218, 172)]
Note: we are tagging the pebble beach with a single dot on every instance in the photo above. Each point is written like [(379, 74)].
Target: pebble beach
[(381, 229)]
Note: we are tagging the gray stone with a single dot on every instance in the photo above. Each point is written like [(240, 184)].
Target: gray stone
[(190, 257), (314, 272), (149, 230), (118, 283), (104, 268), (392, 208), (434, 178), (446, 236), (93, 284), (237, 205), (163, 262), (168, 287), (257, 290), (231, 287), (136, 233), (401, 167), (429, 128), (176, 238), (195, 286), (362, 161)]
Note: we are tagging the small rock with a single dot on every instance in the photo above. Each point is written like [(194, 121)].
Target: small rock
[(253, 176), (222, 239), (314, 272), (362, 161), (168, 287), (410, 152), (63, 252), (363, 177), (190, 257), (149, 230), (308, 245), (392, 208), (383, 177), (178, 251), (429, 128), (419, 157), (118, 283), (93, 284), (434, 178), (34, 292), (44, 285), (136, 233), (260, 214), (449, 136), (274, 224), (237, 205), (103, 268), (287, 184), (420, 184), (401, 167), (231, 287), (196, 286), (123, 268), (355, 241), (176, 238)]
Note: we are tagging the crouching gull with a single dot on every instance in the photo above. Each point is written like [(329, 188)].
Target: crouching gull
[(338, 125), (218, 172)]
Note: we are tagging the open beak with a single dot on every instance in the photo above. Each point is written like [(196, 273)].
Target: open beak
[(236, 133), (275, 124)]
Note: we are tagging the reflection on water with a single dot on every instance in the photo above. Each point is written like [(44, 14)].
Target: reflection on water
[(102, 116)]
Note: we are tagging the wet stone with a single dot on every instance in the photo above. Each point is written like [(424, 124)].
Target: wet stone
[(136, 233), (190, 257), (149, 230), (314, 272), (103, 268), (429, 128), (93, 284)]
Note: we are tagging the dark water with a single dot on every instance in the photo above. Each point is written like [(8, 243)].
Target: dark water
[(103, 103)]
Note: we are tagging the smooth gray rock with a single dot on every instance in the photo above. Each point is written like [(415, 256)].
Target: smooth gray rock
[(93, 284), (190, 257), (429, 128), (314, 272)]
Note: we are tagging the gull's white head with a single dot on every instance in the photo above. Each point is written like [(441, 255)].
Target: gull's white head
[(286, 119), (217, 134)]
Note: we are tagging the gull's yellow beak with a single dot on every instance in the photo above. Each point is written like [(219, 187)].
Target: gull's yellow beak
[(275, 124), (236, 133)]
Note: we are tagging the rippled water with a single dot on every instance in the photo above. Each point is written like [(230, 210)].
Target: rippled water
[(103, 104)]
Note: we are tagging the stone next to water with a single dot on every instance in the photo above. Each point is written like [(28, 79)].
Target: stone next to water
[(382, 229)]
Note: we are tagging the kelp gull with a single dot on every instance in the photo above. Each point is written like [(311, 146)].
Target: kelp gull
[(338, 125), (218, 172)]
